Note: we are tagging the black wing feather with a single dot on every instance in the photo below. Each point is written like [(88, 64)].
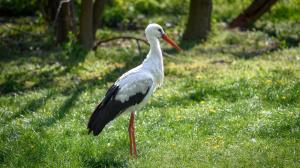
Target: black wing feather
[(110, 108)]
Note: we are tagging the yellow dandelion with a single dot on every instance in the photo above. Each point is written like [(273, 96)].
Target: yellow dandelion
[(216, 146), (199, 77), (281, 82), (212, 110), (178, 117), (268, 81)]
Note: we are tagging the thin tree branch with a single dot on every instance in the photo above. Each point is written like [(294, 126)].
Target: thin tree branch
[(119, 37), (127, 38), (58, 10), (138, 46), (253, 12)]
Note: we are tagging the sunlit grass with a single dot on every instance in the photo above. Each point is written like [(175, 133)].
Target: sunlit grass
[(226, 103), (233, 101)]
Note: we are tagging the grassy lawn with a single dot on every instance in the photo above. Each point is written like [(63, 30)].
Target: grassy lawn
[(233, 101), (226, 103)]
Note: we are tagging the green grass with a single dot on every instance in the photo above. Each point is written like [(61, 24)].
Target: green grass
[(230, 102), (233, 101)]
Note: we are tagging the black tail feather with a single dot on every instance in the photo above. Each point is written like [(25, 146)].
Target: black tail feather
[(103, 114), (110, 108)]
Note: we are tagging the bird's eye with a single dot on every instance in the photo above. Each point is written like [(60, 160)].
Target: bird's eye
[(160, 30)]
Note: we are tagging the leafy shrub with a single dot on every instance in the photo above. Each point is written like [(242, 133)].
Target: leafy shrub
[(132, 13)]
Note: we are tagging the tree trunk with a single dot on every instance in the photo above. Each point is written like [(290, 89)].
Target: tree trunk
[(89, 21), (98, 11), (48, 9), (252, 13), (199, 21), (63, 20), (86, 36)]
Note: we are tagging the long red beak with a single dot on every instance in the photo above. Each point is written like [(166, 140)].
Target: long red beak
[(171, 42)]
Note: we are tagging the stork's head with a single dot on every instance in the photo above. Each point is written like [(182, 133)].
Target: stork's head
[(154, 30)]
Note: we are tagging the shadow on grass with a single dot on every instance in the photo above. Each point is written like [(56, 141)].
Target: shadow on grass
[(253, 53), (105, 160), (285, 129), (21, 44), (37, 79), (269, 88), (239, 53), (188, 45), (231, 92), (290, 39), (81, 87), (20, 82), (23, 37), (62, 111), (108, 158), (2, 157), (31, 107), (44, 78)]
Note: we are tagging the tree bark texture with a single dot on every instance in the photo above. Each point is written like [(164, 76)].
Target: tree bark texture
[(97, 13), (89, 21), (86, 36), (253, 12), (199, 21), (63, 20)]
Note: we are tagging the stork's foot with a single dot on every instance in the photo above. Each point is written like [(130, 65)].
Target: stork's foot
[(133, 152)]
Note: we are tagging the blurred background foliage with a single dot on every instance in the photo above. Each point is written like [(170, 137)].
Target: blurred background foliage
[(124, 11), (229, 101), (278, 28), (134, 14)]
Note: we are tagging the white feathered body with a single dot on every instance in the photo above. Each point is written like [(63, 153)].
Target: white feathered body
[(133, 89), (149, 74)]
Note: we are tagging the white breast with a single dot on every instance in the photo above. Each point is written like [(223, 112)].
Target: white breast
[(137, 80)]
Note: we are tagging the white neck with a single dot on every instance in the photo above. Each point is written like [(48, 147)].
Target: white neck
[(154, 60), (154, 56)]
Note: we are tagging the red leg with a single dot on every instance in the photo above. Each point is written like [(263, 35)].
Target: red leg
[(132, 136)]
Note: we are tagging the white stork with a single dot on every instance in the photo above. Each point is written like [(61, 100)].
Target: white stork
[(134, 88)]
